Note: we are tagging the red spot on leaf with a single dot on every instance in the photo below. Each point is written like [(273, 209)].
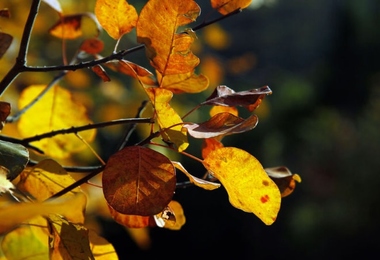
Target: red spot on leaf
[(264, 198)]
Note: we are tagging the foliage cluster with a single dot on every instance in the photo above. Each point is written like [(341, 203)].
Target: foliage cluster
[(44, 203)]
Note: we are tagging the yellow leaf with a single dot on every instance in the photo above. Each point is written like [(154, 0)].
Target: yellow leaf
[(227, 6), (68, 27), (248, 186), (180, 218), (117, 17), (54, 111), (101, 248), (45, 179), (29, 241), (168, 51), (187, 82), (167, 118)]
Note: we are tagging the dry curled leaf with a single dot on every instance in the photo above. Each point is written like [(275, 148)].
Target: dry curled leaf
[(5, 42)]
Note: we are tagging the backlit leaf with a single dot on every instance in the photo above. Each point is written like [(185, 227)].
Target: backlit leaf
[(117, 17), (168, 119), (70, 241), (28, 241), (227, 6), (46, 179), (138, 181), (101, 249), (14, 157), (221, 124), (225, 96), (133, 70), (220, 109), (168, 51), (248, 186), (68, 27), (210, 144), (187, 82), (5, 42), (180, 218), (130, 221), (283, 177), (101, 73), (54, 111), (207, 185)]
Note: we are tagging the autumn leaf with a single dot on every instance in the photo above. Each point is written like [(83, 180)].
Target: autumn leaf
[(227, 6), (284, 178), (221, 109), (5, 42), (92, 46), (183, 83), (54, 4), (6, 186), (101, 73), (168, 51), (248, 186), (176, 211), (138, 181), (14, 157), (130, 221), (69, 240), (101, 249), (220, 125), (5, 110), (68, 27), (168, 119), (54, 111), (209, 145), (46, 179), (133, 70), (117, 17), (225, 96), (207, 185), (28, 241)]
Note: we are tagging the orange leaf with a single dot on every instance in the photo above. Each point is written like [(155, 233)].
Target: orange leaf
[(187, 82), (248, 186), (133, 70), (227, 6), (209, 145), (285, 180), (117, 17), (101, 73), (130, 221), (138, 181), (5, 42), (68, 27), (92, 46), (221, 124), (168, 51), (172, 217), (168, 119)]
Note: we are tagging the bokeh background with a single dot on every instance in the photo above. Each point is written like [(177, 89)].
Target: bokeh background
[(321, 60)]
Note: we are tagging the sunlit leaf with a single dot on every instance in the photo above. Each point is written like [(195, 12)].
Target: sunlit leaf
[(227, 6), (225, 96), (5, 184), (180, 219), (221, 124), (133, 70), (101, 73), (28, 241), (221, 109), (101, 249), (70, 241), (248, 186), (284, 178), (168, 51), (138, 181), (54, 4), (187, 82), (14, 157), (54, 111), (207, 185), (92, 46), (5, 42), (68, 27), (46, 179), (15, 214), (168, 119), (117, 17), (130, 221), (210, 144)]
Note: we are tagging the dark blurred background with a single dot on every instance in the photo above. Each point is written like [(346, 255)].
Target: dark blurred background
[(321, 60)]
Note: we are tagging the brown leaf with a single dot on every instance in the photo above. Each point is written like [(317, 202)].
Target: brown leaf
[(130, 221), (5, 13), (138, 181), (224, 96), (221, 124), (101, 73), (68, 27), (5, 110), (5, 42), (284, 179), (227, 6), (168, 51), (92, 46)]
